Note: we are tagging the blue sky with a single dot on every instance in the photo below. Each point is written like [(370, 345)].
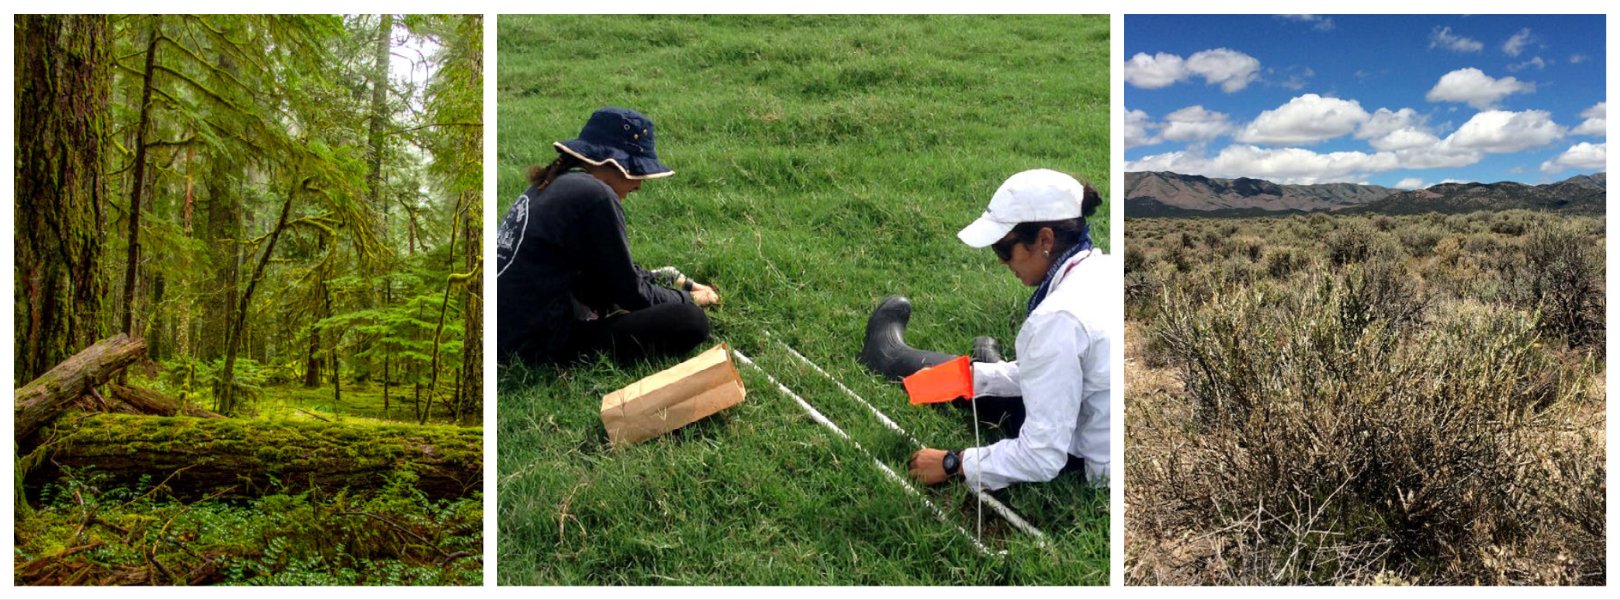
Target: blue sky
[(1396, 100)]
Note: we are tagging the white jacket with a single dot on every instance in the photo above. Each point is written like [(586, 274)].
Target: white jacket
[(1063, 375)]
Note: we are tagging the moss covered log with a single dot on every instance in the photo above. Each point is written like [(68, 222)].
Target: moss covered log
[(255, 457), (152, 402), (42, 399)]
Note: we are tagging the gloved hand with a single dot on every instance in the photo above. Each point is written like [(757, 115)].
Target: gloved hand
[(669, 277)]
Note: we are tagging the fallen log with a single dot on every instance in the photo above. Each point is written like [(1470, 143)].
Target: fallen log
[(152, 402), (195, 456), (42, 399)]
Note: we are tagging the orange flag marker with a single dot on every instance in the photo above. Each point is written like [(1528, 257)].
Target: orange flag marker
[(941, 383)]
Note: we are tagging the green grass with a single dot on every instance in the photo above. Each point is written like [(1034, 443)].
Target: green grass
[(821, 163)]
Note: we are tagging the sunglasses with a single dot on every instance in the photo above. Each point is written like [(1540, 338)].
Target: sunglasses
[(1004, 248)]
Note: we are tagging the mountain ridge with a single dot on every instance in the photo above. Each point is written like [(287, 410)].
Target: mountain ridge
[(1167, 194)]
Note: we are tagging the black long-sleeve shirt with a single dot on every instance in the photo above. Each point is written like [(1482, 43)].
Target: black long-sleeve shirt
[(562, 256)]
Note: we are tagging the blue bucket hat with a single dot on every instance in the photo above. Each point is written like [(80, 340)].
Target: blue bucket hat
[(620, 136)]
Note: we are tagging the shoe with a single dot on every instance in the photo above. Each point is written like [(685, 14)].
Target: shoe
[(986, 350), (885, 351)]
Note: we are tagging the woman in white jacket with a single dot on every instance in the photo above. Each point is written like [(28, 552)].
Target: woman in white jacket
[(1059, 385)]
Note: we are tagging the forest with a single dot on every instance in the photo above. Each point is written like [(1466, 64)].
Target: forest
[(248, 299)]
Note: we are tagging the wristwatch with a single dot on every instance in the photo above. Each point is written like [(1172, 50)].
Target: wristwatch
[(952, 463)]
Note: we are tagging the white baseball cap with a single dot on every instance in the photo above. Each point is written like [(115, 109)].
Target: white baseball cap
[(1031, 196)]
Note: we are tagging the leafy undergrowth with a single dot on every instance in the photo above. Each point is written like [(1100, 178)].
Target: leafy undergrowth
[(1409, 400), (85, 533), (823, 163), (265, 397)]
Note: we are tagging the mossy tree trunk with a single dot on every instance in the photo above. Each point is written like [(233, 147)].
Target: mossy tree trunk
[(152, 402), (223, 231), (251, 457), (63, 88), (137, 184), (226, 392)]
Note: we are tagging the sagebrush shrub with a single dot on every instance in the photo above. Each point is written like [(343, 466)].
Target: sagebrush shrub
[(1337, 435), (1563, 277)]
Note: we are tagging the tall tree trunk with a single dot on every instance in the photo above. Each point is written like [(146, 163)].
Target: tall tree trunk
[(226, 394), (379, 125), (312, 366), (472, 143), (438, 331), (472, 310), (62, 95), (379, 120), (222, 235), (138, 180), (337, 367)]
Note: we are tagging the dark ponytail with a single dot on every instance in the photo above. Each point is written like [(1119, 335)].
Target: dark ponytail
[(1090, 201), (1066, 233), (542, 176)]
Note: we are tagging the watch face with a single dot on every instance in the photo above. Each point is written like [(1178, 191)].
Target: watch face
[(952, 463)]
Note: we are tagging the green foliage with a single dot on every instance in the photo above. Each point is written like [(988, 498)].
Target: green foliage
[(193, 380), (394, 536), (251, 114)]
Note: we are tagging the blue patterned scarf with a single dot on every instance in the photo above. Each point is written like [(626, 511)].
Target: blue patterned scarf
[(1051, 272)]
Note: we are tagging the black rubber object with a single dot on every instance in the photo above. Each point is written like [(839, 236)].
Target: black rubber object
[(986, 350), (885, 351)]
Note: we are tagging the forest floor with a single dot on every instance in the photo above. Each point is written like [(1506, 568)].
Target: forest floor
[(84, 529), (821, 164), (359, 402)]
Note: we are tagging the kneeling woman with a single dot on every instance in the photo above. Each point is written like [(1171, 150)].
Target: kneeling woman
[(566, 284), (1058, 389)]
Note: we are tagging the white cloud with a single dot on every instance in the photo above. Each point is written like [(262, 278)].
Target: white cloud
[(1584, 156), (1385, 121), (1139, 129), (1415, 147), (1318, 22), (1410, 183), (1405, 138), (1515, 44), (1595, 123), (1536, 62), (1442, 37), (1474, 87), (1305, 119), (1231, 69), (1500, 131), (1195, 124), (1282, 165), (1576, 59), (1297, 77), (1395, 130), (1155, 71), (1439, 155)]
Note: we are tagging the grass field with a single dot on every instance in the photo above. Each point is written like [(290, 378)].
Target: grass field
[(821, 163)]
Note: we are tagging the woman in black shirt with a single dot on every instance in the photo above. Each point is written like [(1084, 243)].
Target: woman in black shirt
[(566, 285)]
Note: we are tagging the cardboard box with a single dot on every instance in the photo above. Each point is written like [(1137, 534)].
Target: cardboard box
[(673, 398)]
